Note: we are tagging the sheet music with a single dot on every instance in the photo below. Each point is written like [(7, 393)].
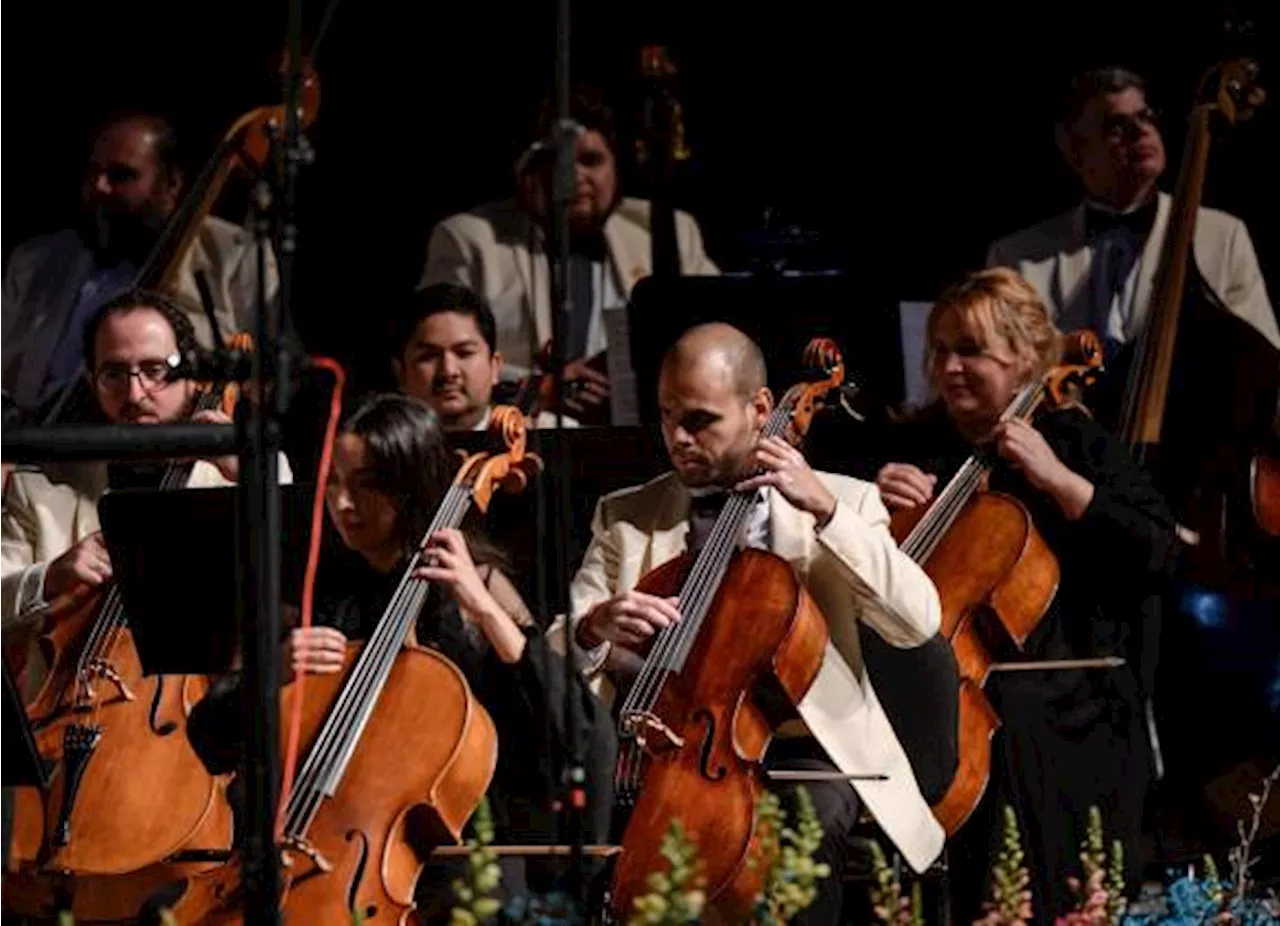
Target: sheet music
[(624, 404), (913, 317)]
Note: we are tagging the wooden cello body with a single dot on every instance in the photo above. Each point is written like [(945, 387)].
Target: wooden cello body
[(127, 789), (708, 735), (991, 560), (425, 759), (398, 751), (995, 576)]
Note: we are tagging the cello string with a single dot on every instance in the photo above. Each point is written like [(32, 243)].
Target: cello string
[(313, 773), (312, 778), (692, 603), (699, 588), (923, 540), (372, 668)]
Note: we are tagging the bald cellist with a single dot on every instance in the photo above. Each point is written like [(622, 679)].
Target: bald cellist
[(832, 530)]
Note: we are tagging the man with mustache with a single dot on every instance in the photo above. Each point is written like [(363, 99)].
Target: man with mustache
[(500, 250), (444, 354), (1095, 264), (53, 284)]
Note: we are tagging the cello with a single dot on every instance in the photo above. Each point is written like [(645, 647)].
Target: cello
[(379, 789), (1196, 422), (983, 552), (693, 735), (99, 722)]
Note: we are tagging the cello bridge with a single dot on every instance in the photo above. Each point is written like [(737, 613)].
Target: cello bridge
[(650, 732), (299, 844), (103, 669)]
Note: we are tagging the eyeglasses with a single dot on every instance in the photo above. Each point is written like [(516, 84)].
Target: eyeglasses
[(1119, 125), (152, 374)]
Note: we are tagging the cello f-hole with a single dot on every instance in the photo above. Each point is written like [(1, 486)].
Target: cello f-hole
[(353, 890), (160, 729), (708, 743)]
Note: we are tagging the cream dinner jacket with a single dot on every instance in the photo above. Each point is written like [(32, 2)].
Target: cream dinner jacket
[(854, 571), (497, 251), (1054, 257), (227, 253), (45, 514)]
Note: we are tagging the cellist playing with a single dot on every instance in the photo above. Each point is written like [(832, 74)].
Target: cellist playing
[(832, 530), (1071, 738)]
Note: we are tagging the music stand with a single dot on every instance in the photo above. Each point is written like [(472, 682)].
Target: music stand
[(22, 765), (175, 560)]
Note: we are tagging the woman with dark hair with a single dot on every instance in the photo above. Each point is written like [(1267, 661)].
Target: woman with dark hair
[(391, 468)]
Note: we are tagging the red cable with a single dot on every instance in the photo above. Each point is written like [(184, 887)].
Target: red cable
[(309, 582)]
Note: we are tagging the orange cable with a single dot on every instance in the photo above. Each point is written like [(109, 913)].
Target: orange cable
[(309, 582)]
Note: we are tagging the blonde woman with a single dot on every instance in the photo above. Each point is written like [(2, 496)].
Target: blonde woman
[(1071, 739)]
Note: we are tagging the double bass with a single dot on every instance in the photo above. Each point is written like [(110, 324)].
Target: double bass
[(984, 554), (245, 147), (1195, 421), (693, 736), (379, 788), (128, 797)]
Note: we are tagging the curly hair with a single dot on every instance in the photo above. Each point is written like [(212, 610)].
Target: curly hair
[(175, 310)]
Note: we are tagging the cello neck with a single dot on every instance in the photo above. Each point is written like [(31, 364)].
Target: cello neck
[(339, 736), (923, 538), (673, 644)]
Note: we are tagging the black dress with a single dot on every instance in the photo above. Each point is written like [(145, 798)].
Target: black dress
[(1070, 739), (525, 700)]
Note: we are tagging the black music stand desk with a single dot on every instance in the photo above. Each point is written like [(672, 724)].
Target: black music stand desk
[(176, 559)]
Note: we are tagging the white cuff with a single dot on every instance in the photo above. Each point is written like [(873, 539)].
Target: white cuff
[(30, 599), (593, 659)]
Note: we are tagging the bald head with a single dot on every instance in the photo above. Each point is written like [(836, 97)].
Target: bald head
[(719, 350), (713, 401)]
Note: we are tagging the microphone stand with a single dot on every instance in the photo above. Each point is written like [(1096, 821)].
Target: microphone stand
[(565, 140), (260, 619)]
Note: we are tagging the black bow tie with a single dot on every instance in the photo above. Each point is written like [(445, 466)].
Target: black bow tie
[(708, 505), (1098, 221)]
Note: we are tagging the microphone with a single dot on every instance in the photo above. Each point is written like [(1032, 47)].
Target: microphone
[(545, 147)]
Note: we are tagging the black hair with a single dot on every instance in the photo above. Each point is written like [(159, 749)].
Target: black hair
[(172, 308), (166, 145), (443, 297), (411, 464), (588, 107), (1089, 84)]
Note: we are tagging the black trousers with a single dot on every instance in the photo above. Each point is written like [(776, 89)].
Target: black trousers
[(836, 804)]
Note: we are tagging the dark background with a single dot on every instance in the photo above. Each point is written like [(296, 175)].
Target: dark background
[(906, 137)]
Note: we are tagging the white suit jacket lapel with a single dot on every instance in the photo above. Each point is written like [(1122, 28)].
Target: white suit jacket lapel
[(535, 275), (1150, 263), (1074, 261), (667, 543), (629, 249), (791, 532)]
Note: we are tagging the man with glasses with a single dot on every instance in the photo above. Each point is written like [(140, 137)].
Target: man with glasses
[(50, 543), (132, 186), (1094, 265)]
